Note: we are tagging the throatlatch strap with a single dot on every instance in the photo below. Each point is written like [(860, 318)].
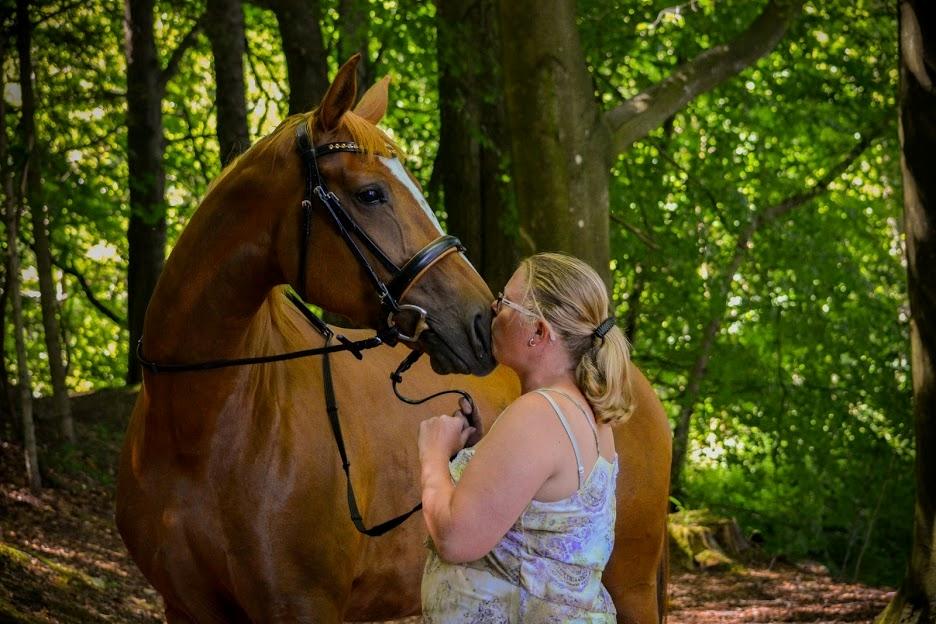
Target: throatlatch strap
[(331, 406)]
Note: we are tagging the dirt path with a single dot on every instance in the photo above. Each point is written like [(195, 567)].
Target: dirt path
[(782, 594), (62, 561)]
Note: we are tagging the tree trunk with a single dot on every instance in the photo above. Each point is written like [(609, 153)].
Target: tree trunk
[(24, 383), (11, 217), (643, 113), (40, 222), (472, 156), (306, 62), (914, 601), (224, 25), (6, 400), (8, 424), (560, 145), (146, 232), (353, 35)]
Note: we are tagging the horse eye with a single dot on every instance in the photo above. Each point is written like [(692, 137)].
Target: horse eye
[(370, 196)]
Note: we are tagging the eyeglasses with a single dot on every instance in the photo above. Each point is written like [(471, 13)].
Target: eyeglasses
[(502, 301)]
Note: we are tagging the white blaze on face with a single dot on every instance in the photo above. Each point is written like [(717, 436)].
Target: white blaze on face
[(396, 168)]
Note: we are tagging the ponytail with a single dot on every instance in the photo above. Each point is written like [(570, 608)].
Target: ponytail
[(603, 376)]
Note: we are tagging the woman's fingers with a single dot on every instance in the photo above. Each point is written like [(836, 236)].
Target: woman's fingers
[(465, 434)]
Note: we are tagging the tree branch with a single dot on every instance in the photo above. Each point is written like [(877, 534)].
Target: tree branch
[(673, 10), (794, 201), (635, 118), (199, 153), (636, 231), (176, 57), (90, 294), (65, 8)]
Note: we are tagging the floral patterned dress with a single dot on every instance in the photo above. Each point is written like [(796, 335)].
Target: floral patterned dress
[(546, 569)]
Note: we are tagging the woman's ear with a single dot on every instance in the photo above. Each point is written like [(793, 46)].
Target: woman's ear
[(543, 329)]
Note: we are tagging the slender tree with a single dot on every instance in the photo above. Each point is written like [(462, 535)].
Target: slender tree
[(224, 25), (24, 383), (914, 601), (6, 391), (146, 230), (39, 211), (353, 36), (306, 62), (8, 409)]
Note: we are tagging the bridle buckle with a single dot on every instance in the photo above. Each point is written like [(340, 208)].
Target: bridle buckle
[(416, 325)]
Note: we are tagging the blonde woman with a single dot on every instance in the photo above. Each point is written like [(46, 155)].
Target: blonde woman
[(522, 524)]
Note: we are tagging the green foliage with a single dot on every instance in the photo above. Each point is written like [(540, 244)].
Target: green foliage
[(803, 426)]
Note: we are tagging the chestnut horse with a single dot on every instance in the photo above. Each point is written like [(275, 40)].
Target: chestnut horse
[(231, 497)]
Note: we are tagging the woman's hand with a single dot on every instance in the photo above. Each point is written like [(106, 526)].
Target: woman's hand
[(443, 436)]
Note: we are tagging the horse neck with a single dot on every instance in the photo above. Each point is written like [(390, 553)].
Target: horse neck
[(218, 275)]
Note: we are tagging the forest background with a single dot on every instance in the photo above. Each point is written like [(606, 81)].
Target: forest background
[(741, 183)]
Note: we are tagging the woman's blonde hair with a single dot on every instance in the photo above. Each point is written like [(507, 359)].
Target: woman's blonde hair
[(571, 297)]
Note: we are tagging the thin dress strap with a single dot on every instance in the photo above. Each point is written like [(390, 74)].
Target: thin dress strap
[(565, 425), (588, 418)]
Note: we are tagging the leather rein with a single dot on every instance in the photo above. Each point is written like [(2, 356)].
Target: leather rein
[(389, 295)]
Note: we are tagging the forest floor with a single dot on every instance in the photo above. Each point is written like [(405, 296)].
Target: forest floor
[(61, 558)]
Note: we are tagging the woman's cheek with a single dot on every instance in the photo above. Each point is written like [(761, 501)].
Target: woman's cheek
[(495, 339)]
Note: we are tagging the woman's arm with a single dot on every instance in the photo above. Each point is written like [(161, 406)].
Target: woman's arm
[(511, 463)]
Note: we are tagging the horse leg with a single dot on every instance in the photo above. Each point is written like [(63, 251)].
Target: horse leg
[(201, 606), (176, 616), (192, 592), (197, 600), (312, 608), (633, 581), (290, 594), (635, 604)]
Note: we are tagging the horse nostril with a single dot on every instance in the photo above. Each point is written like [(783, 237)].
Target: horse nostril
[(482, 334)]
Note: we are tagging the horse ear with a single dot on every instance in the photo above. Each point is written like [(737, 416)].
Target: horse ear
[(340, 96), (373, 104)]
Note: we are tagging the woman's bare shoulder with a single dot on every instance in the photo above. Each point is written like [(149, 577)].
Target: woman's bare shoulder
[(525, 408), (527, 418)]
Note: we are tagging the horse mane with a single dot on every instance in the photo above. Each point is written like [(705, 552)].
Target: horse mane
[(281, 143)]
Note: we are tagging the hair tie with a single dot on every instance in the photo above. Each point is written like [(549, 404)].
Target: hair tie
[(602, 330)]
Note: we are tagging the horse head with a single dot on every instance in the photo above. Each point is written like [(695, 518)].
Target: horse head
[(369, 224)]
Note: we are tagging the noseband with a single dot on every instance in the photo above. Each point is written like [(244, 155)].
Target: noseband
[(388, 294)]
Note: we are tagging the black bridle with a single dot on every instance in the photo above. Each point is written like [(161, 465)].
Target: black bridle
[(389, 295)]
